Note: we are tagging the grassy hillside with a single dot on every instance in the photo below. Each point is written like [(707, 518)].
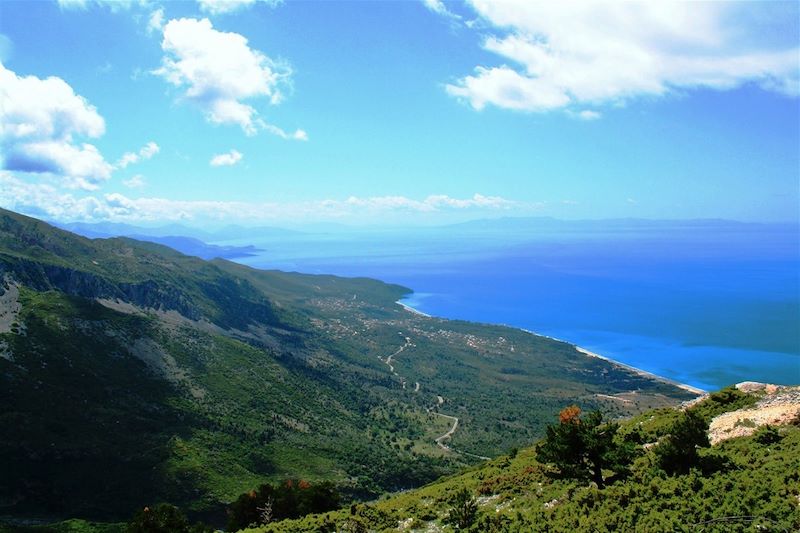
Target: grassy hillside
[(750, 483), (131, 374)]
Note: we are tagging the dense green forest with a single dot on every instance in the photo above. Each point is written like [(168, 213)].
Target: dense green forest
[(131, 374)]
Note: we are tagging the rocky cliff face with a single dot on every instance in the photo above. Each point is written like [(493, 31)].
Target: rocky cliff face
[(218, 299), (148, 294)]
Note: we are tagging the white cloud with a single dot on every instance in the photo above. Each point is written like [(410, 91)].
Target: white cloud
[(146, 152), (226, 160), (438, 7), (72, 4), (588, 114), (114, 5), (218, 71), (219, 7), (39, 119), (584, 114), (297, 135), (505, 87), (149, 150), (135, 182), (44, 200), (431, 203), (155, 23), (564, 55)]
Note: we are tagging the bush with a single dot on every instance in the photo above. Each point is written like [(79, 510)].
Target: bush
[(767, 435), (677, 452), (163, 518), (290, 499)]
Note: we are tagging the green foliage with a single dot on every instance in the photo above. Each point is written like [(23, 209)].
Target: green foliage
[(767, 435), (163, 518), (581, 448), (727, 399), (290, 499), (677, 452), (67, 526), (353, 525), (759, 492), (465, 509)]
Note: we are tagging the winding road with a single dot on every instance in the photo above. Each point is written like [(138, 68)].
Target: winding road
[(439, 399)]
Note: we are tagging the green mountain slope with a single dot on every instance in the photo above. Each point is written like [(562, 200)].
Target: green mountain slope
[(130, 374), (748, 483)]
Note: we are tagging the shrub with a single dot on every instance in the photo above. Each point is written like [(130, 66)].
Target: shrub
[(677, 452), (163, 518), (767, 435)]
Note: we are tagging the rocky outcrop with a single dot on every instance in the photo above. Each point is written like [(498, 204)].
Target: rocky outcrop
[(779, 405)]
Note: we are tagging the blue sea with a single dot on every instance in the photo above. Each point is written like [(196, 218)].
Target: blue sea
[(705, 303)]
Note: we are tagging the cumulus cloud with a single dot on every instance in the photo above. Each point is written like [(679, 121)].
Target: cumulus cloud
[(218, 71), (146, 152), (39, 120), (220, 7), (226, 160), (565, 55), (40, 199)]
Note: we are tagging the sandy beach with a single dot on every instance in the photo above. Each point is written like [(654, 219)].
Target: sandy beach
[(639, 371), (412, 310)]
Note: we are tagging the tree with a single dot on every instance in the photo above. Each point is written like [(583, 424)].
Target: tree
[(163, 518), (581, 448), (677, 452), (465, 508)]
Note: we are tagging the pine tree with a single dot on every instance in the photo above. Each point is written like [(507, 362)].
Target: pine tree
[(581, 448)]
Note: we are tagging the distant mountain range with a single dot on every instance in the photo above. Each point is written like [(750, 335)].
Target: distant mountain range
[(94, 230), (504, 224), (131, 374), (181, 238)]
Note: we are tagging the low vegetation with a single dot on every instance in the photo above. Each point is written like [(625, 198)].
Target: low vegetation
[(749, 483)]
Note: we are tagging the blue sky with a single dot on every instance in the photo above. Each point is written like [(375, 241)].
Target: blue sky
[(398, 112)]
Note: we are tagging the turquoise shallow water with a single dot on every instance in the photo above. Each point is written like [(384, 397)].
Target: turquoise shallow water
[(704, 307)]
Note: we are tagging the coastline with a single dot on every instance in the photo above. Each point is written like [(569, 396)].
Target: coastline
[(412, 310), (584, 351), (639, 371)]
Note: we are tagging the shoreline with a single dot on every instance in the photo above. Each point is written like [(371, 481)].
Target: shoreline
[(588, 353), (643, 373), (412, 310)]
